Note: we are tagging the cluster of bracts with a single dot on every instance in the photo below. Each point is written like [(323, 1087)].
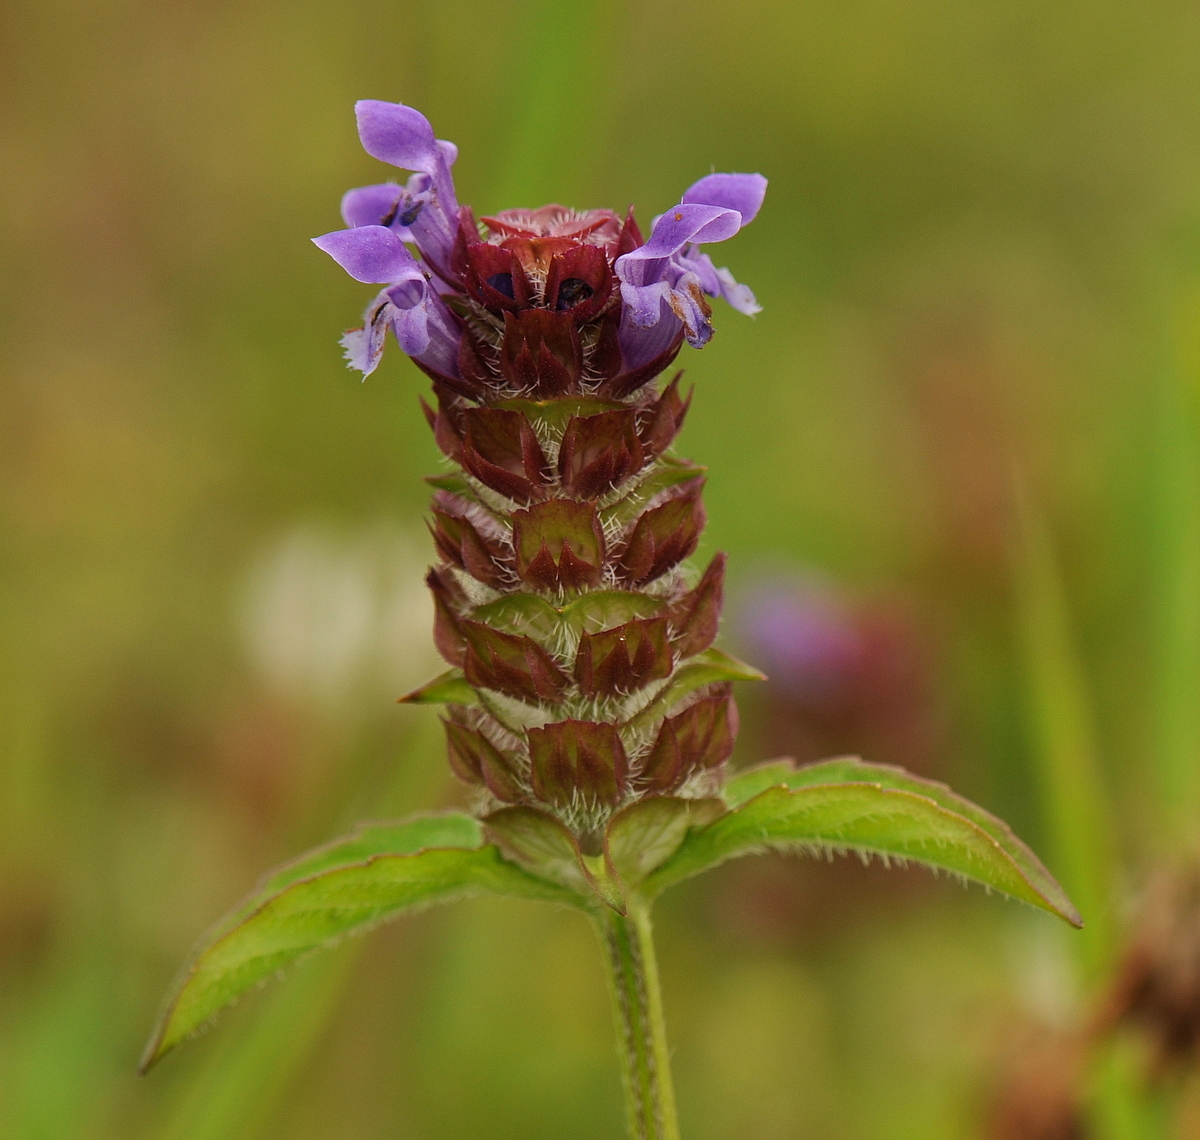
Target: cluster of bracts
[(538, 308), (560, 595), (583, 675)]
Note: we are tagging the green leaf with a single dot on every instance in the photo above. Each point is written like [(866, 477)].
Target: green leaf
[(530, 615), (435, 829), (746, 785), (707, 668), (556, 413), (846, 805), (515, 715), (544, 846), (449, 688), (453, 482), (374, 874)]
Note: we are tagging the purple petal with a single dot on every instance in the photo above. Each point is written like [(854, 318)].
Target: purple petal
[(397, 134), (687, 301), (370, 254), (371, 205), (444, 332), (644, 303), (412, 329), (434, 233), (407, 294), (362, 349), (639, 343), (672, 231), (428, 213), (741, 192), (426, 331), (740, 297), (719, 282), (693, 261), (687, 223)]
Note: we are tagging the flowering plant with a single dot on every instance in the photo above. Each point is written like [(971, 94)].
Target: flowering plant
[(586, 708)]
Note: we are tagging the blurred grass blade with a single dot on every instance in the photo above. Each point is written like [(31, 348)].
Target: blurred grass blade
[(846, 805), (1120, 1104), (234, 1095), (1074, 803), (58, 1054), (373, 875), (1175, 594)]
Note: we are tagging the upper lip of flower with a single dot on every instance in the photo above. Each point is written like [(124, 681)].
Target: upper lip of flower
[(646, 295)]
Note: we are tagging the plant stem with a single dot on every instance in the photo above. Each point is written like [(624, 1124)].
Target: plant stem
[(641, 1029)]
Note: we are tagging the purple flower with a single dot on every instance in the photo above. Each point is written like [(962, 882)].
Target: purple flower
[(424, 210), (410, 304), (536, 302), (666, 279)]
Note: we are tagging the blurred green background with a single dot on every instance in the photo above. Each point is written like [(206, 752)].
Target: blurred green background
[(968, 406)]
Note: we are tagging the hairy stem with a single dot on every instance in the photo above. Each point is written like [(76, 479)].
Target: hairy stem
[(641, 1029)]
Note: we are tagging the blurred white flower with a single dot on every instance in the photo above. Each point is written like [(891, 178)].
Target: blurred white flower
[(339, 617)]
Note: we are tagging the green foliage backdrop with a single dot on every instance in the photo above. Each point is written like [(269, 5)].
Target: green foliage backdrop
[(977, 266)]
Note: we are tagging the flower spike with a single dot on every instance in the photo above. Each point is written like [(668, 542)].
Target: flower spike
[(561, 597)]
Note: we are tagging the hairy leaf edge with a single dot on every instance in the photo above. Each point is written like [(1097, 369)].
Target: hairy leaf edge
[(958, 805), (543, 889), (661, 879)]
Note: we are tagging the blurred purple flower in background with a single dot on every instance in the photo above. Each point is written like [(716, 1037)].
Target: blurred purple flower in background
[(806, 638), (844, 675)]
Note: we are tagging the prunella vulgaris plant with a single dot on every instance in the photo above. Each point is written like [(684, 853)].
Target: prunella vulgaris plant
[(587, 711)]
